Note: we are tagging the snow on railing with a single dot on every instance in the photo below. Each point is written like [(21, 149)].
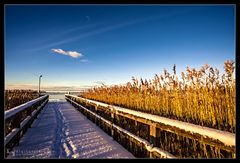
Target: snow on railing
[(17, 109), (225, 137), (11, 135), (15, 133), (147, 145)]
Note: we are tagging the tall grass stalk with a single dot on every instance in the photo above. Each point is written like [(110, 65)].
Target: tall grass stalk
[(202, 97)]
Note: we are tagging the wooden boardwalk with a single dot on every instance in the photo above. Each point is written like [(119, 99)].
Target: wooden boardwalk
[(60, 131)]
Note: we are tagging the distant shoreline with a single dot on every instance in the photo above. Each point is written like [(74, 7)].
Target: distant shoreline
[(63, 92)]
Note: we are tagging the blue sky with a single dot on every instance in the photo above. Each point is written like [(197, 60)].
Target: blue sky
[(76, 46)]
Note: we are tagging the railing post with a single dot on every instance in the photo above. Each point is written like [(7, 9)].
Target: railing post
[(151, 154), (153, 134), (137, 130), (113, 112), (96, 108), (14, 120)]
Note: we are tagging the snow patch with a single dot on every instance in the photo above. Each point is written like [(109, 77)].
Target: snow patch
[(11, 135), (19, 108), (42, 142), (148, 146)]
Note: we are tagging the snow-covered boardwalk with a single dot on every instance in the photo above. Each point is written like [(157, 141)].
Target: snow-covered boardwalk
[(60, 131)]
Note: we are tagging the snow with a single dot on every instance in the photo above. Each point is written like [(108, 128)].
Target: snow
[(34, 112), (19, 108), (148, 146), (11, 135), (25, 121), (22, 124), (223, 136), (60, 131), (162, 152)]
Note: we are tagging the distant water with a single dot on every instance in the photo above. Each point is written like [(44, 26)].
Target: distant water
[(59, 95)]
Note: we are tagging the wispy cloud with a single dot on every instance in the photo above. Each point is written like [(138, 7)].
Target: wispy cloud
[(97, 31), (106, 28), (59, 35), (84, 60), (73, 54)]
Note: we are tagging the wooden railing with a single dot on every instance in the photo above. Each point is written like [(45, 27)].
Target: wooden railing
[(136, 145), (196, 141), (19, 119)]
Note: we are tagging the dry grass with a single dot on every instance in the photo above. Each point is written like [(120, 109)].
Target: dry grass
[(201, 96), (14, 98)]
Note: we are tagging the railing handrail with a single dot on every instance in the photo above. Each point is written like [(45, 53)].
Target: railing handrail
[(12, 112), (19, 119), (223, 136), (148, 146)]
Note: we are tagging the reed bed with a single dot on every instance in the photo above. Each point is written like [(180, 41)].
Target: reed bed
[(202, 97), (17, 97), (180, 143)]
